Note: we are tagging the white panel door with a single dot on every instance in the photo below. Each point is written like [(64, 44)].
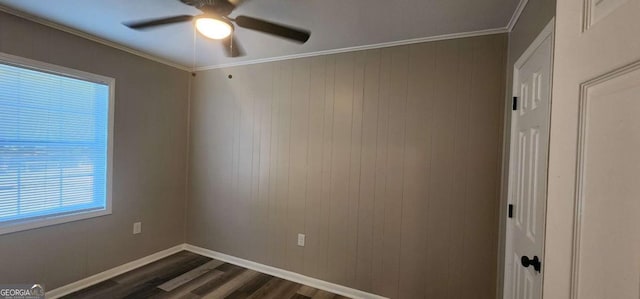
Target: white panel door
[(593, 217), (528, 170)]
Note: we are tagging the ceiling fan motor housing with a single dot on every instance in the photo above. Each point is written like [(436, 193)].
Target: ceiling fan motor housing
[(218, 7)]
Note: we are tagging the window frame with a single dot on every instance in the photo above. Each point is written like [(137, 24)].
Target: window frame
[(54, 219)]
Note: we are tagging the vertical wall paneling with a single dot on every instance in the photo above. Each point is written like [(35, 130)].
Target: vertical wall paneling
[(482, 189), (245, 101), (283, 165), (260, 206), (386, 159), (355, 168), (441, 181), (340, 162), (272, 213), (327, 174), (459, 195), (421, 82), (314, 212), (299, 163), (369, 134), (379, 284), (397, 102)]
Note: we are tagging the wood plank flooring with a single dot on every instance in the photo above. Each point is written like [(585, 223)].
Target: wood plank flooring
[(189, 275)]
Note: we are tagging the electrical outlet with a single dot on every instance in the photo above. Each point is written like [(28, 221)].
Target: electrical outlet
[(137, 228), (301, 240)]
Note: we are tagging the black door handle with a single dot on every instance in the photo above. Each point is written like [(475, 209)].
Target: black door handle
[(535, 262)]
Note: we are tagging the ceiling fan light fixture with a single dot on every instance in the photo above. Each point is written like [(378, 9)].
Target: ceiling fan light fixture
[(213, 28)]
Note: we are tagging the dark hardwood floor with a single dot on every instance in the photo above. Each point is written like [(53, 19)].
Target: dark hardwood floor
[(189, 275)]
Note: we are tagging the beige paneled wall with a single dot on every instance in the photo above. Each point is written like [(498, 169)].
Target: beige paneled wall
[(149, 163), (388, 160)]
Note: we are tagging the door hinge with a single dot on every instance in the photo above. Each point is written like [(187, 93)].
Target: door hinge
[(515, 104), (510, 211)]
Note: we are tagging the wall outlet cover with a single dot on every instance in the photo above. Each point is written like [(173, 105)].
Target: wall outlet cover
[(301, 238), (137, 228)]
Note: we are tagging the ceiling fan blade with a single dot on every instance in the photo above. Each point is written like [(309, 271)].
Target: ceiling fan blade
[(299, 35), (158, 22), (232, 47), (237, 3)]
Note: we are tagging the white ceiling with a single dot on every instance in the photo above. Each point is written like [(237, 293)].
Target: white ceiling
[(335, 24)]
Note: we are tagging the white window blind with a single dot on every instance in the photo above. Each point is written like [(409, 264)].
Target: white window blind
[(54, 133)]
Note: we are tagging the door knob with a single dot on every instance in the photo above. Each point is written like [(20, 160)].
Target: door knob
[(535, 262)]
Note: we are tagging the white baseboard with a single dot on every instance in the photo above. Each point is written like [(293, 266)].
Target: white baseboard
[(113, 272), (284, 274)]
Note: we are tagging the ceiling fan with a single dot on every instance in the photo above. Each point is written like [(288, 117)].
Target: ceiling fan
[(215, 23)]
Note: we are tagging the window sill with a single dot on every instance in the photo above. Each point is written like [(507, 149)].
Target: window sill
[(22, 225)]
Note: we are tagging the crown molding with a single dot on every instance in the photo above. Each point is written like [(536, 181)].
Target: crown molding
[(507, 29), (91, 37), (358, 48), (516, 14)]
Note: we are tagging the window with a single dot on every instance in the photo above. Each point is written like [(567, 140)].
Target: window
[(55, 144)]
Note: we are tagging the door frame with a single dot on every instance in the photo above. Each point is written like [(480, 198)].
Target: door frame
[(547, 32)]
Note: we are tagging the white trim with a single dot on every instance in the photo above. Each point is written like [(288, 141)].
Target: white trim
[(92, 37), (284, 274), (55, 69), (102, 276), (110, 141), (75, 215), (48, 220), (359, 48), (516, 14), (506, 29)]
